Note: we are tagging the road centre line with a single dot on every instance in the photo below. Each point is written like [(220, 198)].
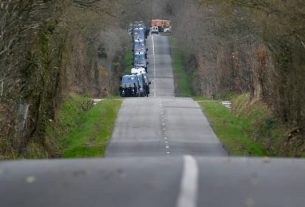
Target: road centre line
[(189, 183), (154, 59)]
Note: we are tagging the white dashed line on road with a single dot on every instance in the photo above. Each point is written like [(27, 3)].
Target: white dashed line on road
[(154, 59), (189, 183)]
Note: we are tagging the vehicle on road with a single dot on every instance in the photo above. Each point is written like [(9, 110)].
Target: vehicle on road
[(154, 30), (139, 29), (129, 86), (139, 35), (142, 86), (140, 47), (163, 25), (140, 60), (167, 29), (136, 71), (137, 84), (139, 41), (147, 84)]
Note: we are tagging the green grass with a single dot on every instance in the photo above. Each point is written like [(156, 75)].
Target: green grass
[(183, 86), (201, 98), (232, 130), (127, 61), (82, 129), (250, 128)]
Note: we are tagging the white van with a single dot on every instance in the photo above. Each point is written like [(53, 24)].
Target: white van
[(154, 30), (136, 71)]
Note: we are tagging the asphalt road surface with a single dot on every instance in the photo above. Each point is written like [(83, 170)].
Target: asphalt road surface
[(163, 153), (162, 125), (153, 181)]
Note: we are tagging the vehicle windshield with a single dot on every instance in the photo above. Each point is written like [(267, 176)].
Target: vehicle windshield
[(139, 44), (140, 56), (140, 59), (129, 79), (139, 39), (126, 79)]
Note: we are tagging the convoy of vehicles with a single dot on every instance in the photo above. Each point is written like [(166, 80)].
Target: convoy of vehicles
[(137, 83)]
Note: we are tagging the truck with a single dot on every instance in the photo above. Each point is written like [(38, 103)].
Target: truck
[(163, 24)]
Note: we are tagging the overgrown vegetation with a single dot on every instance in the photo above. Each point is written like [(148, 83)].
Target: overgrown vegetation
[(280, 26), (81, 129), (49, 50), (232, 130), (251, 129), (181, 77), (250, 46), (127, 61)]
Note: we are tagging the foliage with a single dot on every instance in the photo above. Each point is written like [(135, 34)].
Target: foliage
[(127, 61), (251, 129), (48, 50), (232, 130), (181, 77), (91, 137), (81, 129), (280, 24)]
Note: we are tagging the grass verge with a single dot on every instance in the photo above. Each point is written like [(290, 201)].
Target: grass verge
[(232, 130), (182, 79), (251, 129), (83, 130)]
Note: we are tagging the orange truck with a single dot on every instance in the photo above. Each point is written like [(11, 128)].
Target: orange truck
[(162, 24)]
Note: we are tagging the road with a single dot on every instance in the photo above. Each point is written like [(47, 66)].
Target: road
[(162, 124), (163, 153), (154, 181)]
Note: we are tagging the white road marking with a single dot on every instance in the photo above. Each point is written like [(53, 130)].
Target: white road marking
[(167, 147), (154, 58), (189, 183)]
